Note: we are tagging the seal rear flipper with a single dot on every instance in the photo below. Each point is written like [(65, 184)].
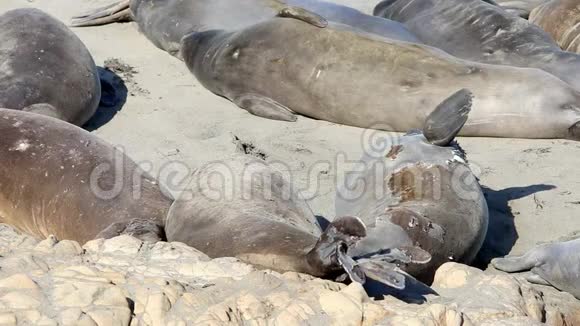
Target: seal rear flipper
[(265, 107), (113, 13), (400, 255), (350, 267), (144, 230), (303, 15), (385, 273), (445, 122)]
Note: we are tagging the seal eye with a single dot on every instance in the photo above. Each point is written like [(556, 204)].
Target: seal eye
[(236, 54)]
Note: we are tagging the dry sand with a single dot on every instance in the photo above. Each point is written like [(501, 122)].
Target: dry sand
[(534, 186)]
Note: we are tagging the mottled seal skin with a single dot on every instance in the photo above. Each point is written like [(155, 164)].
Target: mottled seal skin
[(522, 8), (165, 22), (560, 19), (418, 190), (243, 207), (45, 68), (479, 31), (52, 172), (285, 66), (556, 264)]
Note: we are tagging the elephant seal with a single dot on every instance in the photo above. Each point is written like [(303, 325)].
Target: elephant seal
[(560, 19), (45, 68), (62, 180), (521, 8), (479, 31), (243, 207), (360, 79), (418, 190), (555, 264), (165, 22)]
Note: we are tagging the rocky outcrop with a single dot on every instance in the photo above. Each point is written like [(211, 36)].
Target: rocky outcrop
[(123, 281)]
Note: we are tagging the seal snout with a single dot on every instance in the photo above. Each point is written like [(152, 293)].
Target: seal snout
[(574, 131)]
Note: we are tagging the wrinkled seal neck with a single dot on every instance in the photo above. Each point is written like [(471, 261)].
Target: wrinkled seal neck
[(200, 51)]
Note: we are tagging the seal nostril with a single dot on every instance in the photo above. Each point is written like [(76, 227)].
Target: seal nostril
[(574, 131)]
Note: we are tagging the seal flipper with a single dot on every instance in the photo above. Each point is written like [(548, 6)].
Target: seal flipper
[(265, 107), (515, 264), (113, 13), (145, 230), (303, 15), (385, 273), (445, 122), (535, 278)]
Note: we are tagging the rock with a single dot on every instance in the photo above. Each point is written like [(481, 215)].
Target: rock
[(123, 281)]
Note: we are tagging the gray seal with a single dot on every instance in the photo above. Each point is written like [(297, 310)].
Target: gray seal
[(60, 179), (521, 8), (165, 22), (555, 264), (288, 65), (245, 208), (560, 19), (480, 31), (45, 68), (418, 190)]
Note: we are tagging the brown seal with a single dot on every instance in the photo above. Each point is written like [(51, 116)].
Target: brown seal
[(62, 180)]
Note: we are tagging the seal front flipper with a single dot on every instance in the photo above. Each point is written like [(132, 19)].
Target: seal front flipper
[(264, 107), (532, 277), (303, 15), (517, 264), (113, 13), (445, 122), (144, 230)]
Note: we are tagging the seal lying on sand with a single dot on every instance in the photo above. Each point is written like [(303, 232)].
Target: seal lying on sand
[(556, 264), (521, 8), (285, 66), (60, 179), (244, 208), (560, 19), (165, 22), (418, 190), (482, 32), (45, 68)]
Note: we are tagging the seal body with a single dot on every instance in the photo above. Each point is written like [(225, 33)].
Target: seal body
[(479, 31), (59, 179), (45, 68), (560, 19), (242, 208), (419, 190), (165, 22), (522, 8), (556, 264), (327, 73), (245, 208)]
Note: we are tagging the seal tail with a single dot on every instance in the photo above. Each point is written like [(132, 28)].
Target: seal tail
[(113, 13), (445, 122)]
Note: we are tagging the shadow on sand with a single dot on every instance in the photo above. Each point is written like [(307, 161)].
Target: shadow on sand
[(113, 97), (502, 233)]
